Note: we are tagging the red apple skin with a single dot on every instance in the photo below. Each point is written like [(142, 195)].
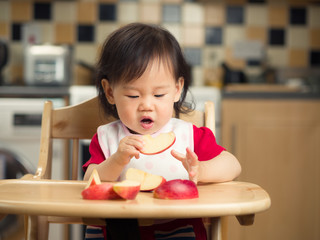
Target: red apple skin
[(127, 189), (177, 189), (103, 191)]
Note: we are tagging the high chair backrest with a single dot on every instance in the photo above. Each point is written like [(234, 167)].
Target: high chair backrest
[(80, 122)]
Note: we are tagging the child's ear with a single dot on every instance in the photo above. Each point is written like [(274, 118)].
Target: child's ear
[(179, 88), (107, 90)]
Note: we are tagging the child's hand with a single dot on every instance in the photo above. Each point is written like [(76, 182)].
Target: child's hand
[(129, 147), (190, 163)]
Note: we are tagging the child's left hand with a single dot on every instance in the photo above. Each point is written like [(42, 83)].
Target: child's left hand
[(190, 163)]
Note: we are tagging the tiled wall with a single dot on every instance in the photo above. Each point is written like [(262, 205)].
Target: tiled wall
[(206, 29)]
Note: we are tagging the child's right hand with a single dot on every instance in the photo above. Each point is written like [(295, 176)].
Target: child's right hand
[(128, 148)]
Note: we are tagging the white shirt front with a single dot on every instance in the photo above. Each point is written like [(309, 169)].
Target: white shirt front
[(164, 163)]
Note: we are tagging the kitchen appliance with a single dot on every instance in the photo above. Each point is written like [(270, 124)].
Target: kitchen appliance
[(20, 130), (48, 65)]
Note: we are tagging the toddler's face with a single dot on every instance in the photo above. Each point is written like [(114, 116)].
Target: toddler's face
[(145, 105)]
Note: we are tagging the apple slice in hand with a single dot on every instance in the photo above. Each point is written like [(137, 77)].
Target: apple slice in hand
[(127, 189), (177, 189), (94, 179), (148, 181), (158, 144), (103, 191)]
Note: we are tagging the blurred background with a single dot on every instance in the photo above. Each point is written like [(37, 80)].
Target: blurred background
[(258, 60)]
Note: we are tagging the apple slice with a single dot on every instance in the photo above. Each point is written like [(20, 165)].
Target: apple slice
[(94, 179), (158, 144), (148, 181), (127, 189), (177, 189), (103, 191)]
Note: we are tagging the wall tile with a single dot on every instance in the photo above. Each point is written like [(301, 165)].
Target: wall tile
[(314, 58), (42, 10), (21, 11), (107, 12), (214, 35), (197, 76), (277, 57), (64, 33), (171, 13), (278, 15), (86, 52), (192, 13), (16, 32), (64, 12), (277, 37), (4, 30), (176, 31), (298, 37), (5, 11), (314, 16), (235, 14), (257, 33), (16, 73), (256, 15), (214, 14), (213, 56), (47, 31), (193, 56), (103, 30), (86, 33), (298, 16), (233, 34), (298, 58), (193, 36), (86, 12), (128, 12), (150, 13), (315, 38)]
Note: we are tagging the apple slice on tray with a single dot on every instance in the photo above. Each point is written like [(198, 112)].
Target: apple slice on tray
[(127, 189), (148, 181), (103, 191), (94, 179), (158, 144), (177, 189), (95, 190)]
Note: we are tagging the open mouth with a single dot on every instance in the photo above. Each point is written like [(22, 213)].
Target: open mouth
[(146, 123)]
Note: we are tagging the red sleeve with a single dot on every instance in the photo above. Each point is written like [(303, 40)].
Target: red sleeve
[(96, 153), (205, 145)]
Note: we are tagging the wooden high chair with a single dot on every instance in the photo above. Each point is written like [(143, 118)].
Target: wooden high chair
[(75, 123)]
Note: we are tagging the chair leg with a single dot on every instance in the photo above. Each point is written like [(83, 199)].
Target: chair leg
[(36, 228), (31, 227), (215, 229)]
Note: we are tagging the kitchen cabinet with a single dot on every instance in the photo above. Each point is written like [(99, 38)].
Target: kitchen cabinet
[(277, 142)]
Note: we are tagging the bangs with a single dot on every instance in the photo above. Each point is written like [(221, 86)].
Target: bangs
[(141, 48)]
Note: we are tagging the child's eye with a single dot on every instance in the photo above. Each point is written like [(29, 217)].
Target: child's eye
[(159, 95), (132, 96)]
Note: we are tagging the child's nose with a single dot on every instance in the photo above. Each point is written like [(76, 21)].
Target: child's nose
[(145, 105)]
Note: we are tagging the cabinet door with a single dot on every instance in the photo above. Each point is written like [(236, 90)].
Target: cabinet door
[(278, 146)]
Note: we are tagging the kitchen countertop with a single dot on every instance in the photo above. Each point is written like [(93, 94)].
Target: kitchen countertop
[(267, 91), (34, 92)]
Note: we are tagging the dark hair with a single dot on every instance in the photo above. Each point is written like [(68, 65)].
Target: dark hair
[(126, 53)]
